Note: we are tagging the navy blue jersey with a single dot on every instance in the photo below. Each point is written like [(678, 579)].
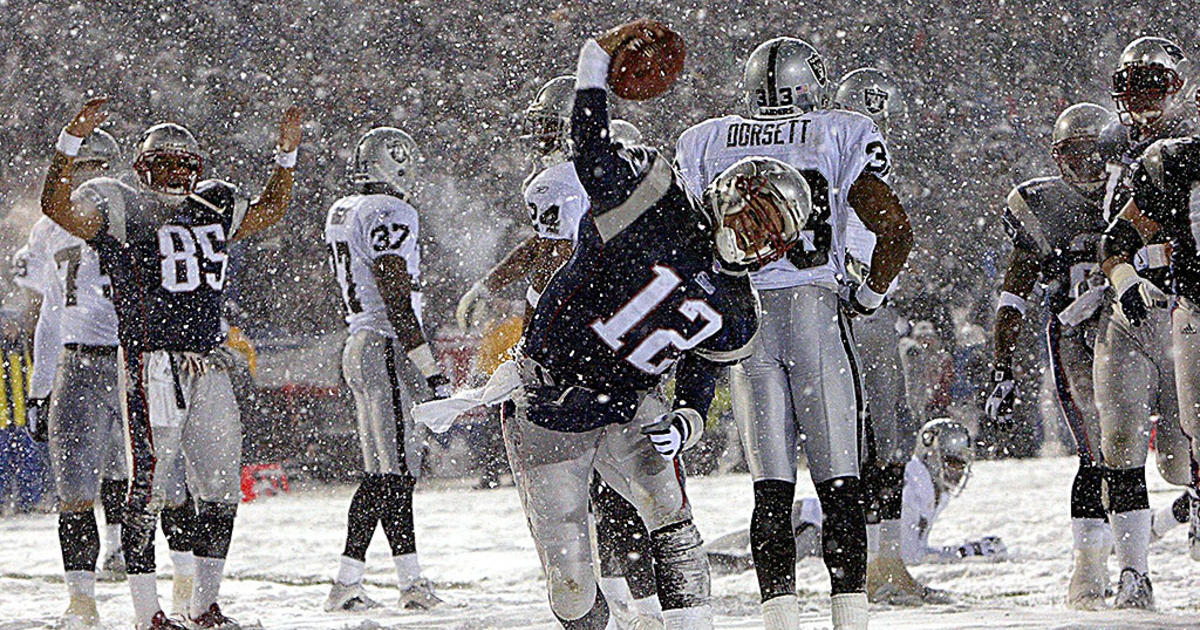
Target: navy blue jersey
[(639, 292), (167, 262), (1061, 226), (1166, 188)]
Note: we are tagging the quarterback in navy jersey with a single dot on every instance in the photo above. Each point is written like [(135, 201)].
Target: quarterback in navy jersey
[(657, 279), (164, 246)]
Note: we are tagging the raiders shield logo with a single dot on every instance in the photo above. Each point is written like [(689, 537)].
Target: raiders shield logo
[(817, 65), (875, 100), (1171, 49)]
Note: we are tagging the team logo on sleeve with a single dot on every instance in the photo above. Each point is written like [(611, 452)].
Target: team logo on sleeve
[(875, 100)]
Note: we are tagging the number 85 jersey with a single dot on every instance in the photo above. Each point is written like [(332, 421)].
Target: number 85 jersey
[(167, 260), (359, 229)]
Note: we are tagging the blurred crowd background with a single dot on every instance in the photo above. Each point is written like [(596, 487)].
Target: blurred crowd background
[(983, 84)]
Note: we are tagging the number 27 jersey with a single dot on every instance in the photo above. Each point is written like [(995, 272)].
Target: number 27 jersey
[(358, 230)]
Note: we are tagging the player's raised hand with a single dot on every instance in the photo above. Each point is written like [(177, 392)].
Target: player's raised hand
[(88, 118), (290, 129)]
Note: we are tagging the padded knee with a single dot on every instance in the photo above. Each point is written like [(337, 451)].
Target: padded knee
[(1087, 496), (844, 534), (681, 565), (1126, 489), (772, 543)]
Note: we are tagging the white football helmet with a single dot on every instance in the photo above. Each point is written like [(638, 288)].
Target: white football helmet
[(546, 125), (1075, 145), (944, 446), (624, 132), (784, 77), (871, 92), (1149, 74), (759, 205), (386, 156), (100, 147)]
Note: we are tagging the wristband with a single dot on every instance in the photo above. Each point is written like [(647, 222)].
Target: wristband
[(68, 144), (1122, 277), (422, 357), (867, 296), (1012, 300), (286, 160), (592, 71)]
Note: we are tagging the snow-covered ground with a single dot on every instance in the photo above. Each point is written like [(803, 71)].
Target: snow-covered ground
[(475, 545)]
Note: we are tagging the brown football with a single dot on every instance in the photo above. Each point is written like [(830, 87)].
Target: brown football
[(647, 63)]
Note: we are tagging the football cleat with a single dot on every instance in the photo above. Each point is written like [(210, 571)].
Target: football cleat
[(162, 622), (213, 618), (1089, 581), (81, 613), (349, 597), (113, 567), (419, 596), (1134, 591)]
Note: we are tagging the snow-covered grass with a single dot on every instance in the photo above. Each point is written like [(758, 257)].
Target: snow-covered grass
[(477, 548)]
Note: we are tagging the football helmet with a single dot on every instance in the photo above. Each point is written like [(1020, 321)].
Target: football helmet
[(944, 446), (759, 205), (871, 92), (784, 77), (168, 160), (386, 156), (1149, 74), (99, 147), (546, 124), (624, 132), (1075, 145)]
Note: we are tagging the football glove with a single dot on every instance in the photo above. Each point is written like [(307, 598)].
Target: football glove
[(989, 548), (999, 405), (673, 432), (440, 386), (1135, 295), (37, 415)]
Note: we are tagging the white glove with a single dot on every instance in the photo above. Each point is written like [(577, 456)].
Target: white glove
[(673, 432), (463, 311), (999, 405), (1135, 295), (989, 548)]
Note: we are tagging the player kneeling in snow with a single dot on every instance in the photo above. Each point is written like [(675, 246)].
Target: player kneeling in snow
[(936, 472)]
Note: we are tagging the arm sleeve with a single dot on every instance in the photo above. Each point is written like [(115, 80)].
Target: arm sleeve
[(695, 382), (865, 151)]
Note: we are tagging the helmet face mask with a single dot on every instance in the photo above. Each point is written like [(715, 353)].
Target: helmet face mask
[(759, 206), (546, 122), (1147, 79), (944, 446), (168, 161), (1075, 145)]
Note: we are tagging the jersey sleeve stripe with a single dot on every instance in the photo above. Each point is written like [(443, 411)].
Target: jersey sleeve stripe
[(653, 186)]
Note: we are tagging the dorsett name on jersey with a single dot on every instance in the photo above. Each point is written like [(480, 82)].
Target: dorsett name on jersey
[(167, 262), (358, 230), (556, 202), (1166, 188), (829, 148), (1055, 222)]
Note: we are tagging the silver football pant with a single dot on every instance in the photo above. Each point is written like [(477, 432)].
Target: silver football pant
[(383, 405), (1185, 333), (194, 416), (800, 387), (87, 433), (553, 470), (1134, 379), (876, 343), (1070, 352)]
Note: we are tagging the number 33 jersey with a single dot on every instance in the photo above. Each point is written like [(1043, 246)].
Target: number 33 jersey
[(167, 260), (359, 229), (831, 149)]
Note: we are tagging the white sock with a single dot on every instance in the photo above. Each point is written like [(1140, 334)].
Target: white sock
[(616, 591), (1089, 533), (112, 537), (408, 570), (694, 618), (648, 606), (208, 584), (184, 563), (872, 539), (1131, 534), (890, 538), (145, 597), (81, 583), (849, 611), (781, 613), (350, 571)]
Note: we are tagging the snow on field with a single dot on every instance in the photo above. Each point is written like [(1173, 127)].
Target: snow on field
[(475, 545)]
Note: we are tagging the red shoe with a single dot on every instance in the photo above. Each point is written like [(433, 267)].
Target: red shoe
[(162, 622), (214, 618)]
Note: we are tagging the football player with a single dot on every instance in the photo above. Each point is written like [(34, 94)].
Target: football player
[(801, 385), (1133, 375), (874, 94), (557, 202), (83, 419), (373, 237), (164, 247), (1165, 183), (1055, 225), (656, 278)]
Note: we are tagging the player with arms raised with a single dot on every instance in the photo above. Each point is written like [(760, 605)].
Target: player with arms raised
[(164, 247)]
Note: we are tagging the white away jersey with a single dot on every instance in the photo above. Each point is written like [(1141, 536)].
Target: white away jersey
[(830, 148), (358, 230), (74, 281), (32, 272), (556, 202)]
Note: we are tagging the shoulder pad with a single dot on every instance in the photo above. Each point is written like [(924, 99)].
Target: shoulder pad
[(1151, 162), (217, 192)]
